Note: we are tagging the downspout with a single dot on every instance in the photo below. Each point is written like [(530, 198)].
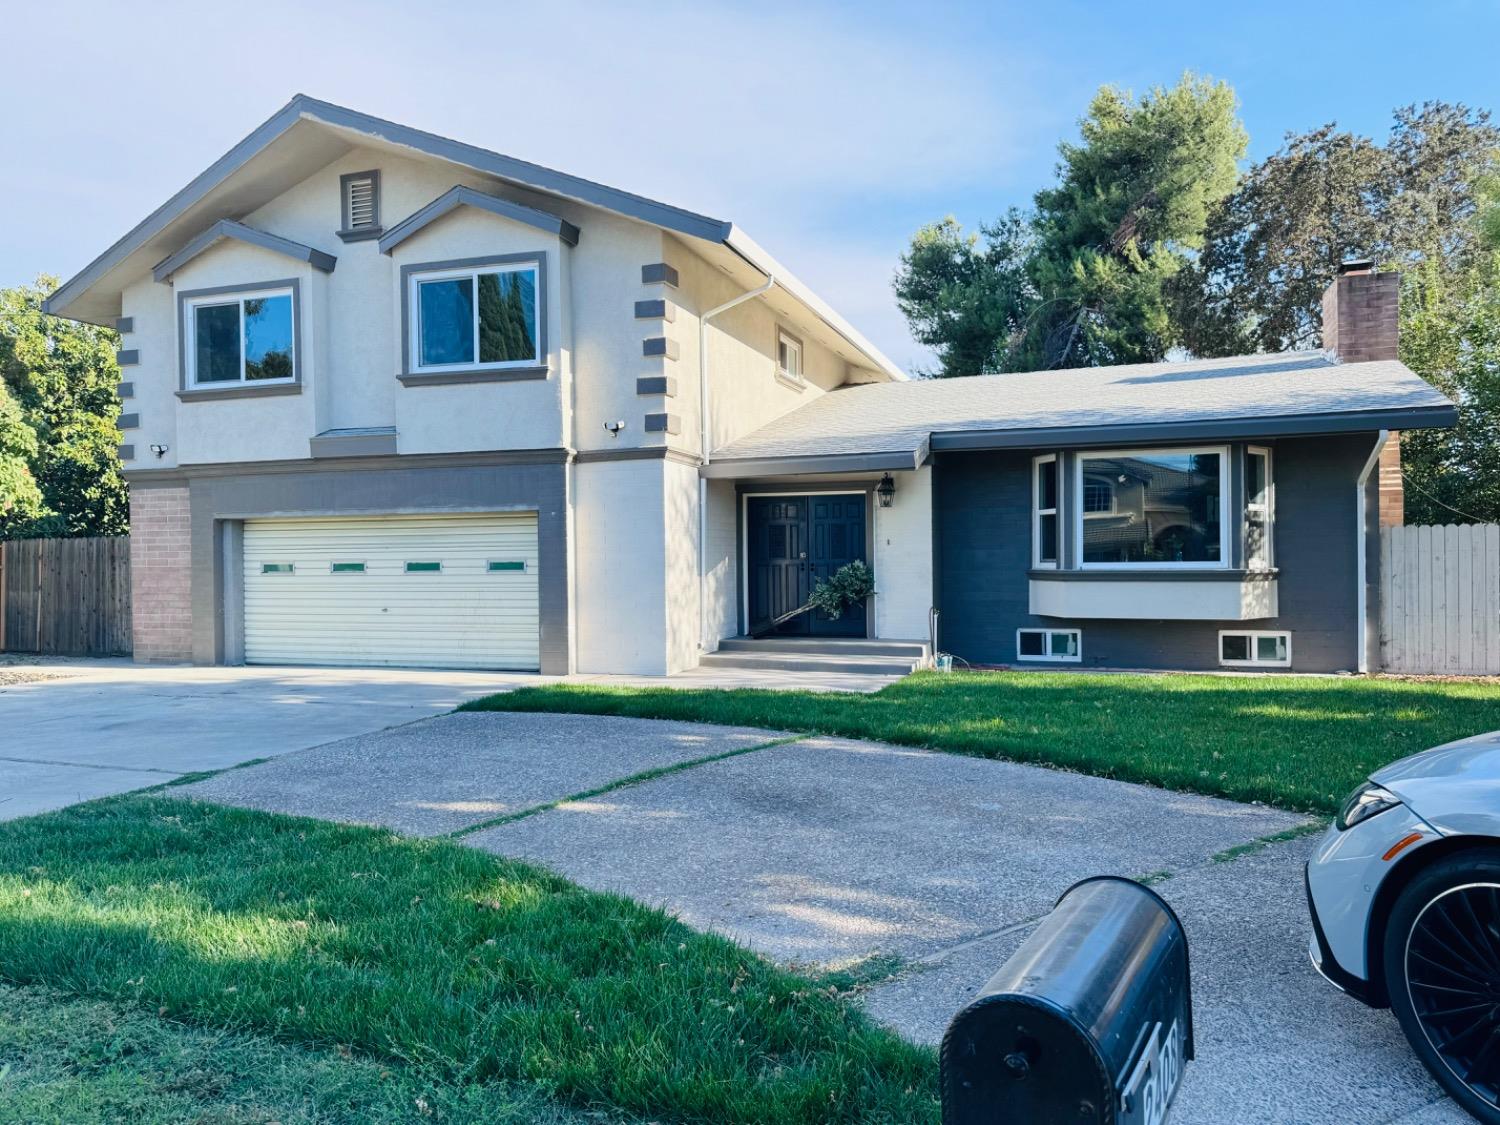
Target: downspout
[(1362, 513), (705, 446)]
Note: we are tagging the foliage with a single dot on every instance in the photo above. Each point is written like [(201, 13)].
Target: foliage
[(850, 585), (1181, 732), (1273, 244), (20, 499), (424, 952), (1450, 334), (1084, 278), (64, 378)]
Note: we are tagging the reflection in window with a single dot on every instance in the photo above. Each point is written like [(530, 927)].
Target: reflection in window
[(243, 339), (484, 317), (1098, 496), (1165, 509), (1258, 509)]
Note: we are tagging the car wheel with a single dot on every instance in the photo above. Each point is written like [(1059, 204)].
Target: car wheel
[(1442, 971)]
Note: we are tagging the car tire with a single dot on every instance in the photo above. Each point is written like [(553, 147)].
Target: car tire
[(1442, 972)]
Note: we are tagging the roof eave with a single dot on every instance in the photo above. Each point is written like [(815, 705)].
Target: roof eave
[(740, 468), (1201, 429)]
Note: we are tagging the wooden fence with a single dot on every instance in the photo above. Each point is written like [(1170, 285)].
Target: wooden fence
[(65, 597), (1440, 599)]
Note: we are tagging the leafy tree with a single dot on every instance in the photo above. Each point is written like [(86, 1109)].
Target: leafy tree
[(63, 378), (1327, 195), (20, 498), (1084, 278)]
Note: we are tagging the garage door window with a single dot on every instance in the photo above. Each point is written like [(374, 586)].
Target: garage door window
[(423, 567), (277, 568), (498, 566), (348, 568)]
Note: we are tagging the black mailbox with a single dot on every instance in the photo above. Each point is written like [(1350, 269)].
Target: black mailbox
[(1090, 1021)]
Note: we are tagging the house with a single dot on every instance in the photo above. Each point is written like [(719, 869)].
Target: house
[(394, 399)]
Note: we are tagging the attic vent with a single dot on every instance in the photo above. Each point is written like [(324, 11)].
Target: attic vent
[(361, 205)]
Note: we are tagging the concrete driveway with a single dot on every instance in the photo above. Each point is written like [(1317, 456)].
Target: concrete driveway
[(96, 727), (929, 869)]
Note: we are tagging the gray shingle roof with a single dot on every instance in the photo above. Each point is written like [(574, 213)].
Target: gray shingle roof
[(1289, 392)]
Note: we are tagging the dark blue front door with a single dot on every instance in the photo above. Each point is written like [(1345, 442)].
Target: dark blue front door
[(792, 542)]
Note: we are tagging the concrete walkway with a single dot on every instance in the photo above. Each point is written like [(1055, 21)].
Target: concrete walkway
[(928, 869)]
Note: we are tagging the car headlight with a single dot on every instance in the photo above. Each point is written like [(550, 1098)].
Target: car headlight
[(1364, 803)]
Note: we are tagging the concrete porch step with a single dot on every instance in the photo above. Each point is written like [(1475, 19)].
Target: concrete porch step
[(819, 660), (830, 646)]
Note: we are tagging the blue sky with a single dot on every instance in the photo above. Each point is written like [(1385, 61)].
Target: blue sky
[(829, 131)]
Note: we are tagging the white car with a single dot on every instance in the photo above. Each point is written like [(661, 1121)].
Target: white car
[(1404, 891)]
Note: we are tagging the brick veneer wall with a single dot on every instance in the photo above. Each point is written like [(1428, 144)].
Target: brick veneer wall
[(1361, 323), (161, 575)]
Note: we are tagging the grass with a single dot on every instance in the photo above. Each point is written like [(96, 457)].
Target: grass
[(1298, 742), (464, 968), (94, 1062)]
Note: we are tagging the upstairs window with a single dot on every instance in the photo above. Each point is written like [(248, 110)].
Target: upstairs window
[(240, 338), (360, 205), (482, 317), (789, 357), (1152, 508)]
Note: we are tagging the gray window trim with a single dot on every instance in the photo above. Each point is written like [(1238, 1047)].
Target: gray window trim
[(241, 389), (346, 231), (437, 377), (228, 228), (461, 196)]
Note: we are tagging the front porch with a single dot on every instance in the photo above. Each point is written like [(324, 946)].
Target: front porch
[(772, 539)]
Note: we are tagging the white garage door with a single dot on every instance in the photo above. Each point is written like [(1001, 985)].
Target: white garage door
[(414, 591)]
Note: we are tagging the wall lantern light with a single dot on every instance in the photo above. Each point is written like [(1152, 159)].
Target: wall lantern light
[(886, 490)]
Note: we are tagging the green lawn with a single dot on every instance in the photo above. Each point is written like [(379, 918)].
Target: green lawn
[(462, 969), (96, 1062), (1298, 742)]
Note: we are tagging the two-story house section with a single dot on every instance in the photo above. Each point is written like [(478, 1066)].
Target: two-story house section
[(393, 399)]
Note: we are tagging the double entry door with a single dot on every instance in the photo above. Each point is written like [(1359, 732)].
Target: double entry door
[(792, 541)]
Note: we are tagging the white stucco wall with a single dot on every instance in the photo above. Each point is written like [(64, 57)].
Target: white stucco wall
[(723, 563), (622, 559), (154, 378), (680, 527), (903, 559)]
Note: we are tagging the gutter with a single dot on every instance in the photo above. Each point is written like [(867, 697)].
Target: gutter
[(1362, 517), (705, 444)]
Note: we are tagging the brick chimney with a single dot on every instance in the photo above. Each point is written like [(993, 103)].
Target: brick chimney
[(1361, 323)]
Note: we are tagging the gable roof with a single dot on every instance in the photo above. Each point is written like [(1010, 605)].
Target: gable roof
[(232, 187), (893, 425), (461, 196), (228, 228)]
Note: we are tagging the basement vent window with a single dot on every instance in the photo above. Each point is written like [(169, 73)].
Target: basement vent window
[(498, 566), (423, 567), (348, 567), (1063, 646), (360, 206), (1255, 650), (277, 568)]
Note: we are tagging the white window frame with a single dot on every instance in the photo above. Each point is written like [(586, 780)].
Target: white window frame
[(1098, 513), (1268, 508), (190, 307), (414, 305), (1226, 517), (1254, 661), (785, 339), (1048, 657), (1037, 511)]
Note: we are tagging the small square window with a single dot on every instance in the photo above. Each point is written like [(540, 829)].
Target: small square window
[(1061, 646), (423, 567), (277, 568), (1255, 649), (789, 357)]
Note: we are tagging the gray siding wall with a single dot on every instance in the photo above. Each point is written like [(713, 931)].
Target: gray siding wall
[(983, 514), (220, 502)]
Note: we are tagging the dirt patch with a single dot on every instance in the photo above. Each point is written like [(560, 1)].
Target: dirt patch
[(21, 668)]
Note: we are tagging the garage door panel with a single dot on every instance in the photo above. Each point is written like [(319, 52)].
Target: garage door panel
[(464, 615)]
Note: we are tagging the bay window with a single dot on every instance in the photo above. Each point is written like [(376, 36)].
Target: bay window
[(1153, 508)]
